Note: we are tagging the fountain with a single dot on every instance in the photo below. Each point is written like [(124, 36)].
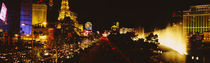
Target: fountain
[(173, 37)]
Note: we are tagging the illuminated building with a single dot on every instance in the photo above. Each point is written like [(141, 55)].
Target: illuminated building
[(196, 22), (39, 13), (197, 19), (206, 37), (26, 17), (39, 18), (126, 30), (115, 27), (31, 16)]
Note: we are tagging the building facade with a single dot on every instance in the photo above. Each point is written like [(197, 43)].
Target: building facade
[(26, 17), (197, 19), (39, 13)]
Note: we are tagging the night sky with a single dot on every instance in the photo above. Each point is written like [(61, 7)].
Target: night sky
[(130, 13)]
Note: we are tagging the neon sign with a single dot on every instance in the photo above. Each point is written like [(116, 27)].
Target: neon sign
[(3, 12), (88, 25)]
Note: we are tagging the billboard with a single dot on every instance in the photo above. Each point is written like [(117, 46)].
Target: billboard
[(88, 26), (3, 12)]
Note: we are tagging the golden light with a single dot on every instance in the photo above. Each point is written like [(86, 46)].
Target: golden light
[(39, 13), (104, 34), (192, 57), (140, 32), (1, 30), (16, 35), (27, 35), (44, 23), (197, 58), (46, 54), (173, 37), (23, 24), (43, 37), (59, 26)]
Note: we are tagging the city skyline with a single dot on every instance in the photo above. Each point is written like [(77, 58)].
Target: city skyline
[(138, 13), (105, 31)]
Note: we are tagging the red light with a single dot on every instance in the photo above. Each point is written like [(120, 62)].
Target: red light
[(51, 3), (174, 14), (39, 1), (69, 35), (113, 48)]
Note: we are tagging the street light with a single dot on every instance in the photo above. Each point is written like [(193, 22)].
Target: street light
[(27, 35), (46, 53), (23, 24), (44, 23), (16, 35)]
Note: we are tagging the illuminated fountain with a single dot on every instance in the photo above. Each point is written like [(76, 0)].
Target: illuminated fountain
[(140, 32), (173, 37), (173, 41)]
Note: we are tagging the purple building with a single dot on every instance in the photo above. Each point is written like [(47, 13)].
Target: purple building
[(26, 17)]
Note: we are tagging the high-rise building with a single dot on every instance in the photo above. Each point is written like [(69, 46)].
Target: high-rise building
[(26, 17), (197, 19), (39, 21), (32, 14), (39, 13)]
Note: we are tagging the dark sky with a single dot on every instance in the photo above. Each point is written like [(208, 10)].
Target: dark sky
[(103, 13)]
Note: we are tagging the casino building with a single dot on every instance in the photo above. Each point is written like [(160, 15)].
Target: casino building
[(197, 19)]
